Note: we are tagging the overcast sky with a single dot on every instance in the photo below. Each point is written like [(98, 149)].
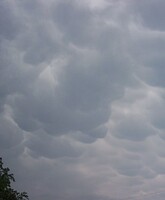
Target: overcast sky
[(82, 98)]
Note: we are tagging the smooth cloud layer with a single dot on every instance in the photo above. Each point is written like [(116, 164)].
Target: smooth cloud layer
[(82, 98)]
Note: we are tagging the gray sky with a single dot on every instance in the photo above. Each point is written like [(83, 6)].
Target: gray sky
[(82, 98)]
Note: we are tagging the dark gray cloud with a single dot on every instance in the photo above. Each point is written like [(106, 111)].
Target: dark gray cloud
[(133, 128), (58, 147), (151, 13), (9, 21), (74, 21), (10, 134), (82, 98)]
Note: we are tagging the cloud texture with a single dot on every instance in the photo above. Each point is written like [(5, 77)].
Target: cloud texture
[(82, 97)]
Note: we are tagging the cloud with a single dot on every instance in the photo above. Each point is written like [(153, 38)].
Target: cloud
[(151, 13), (82, 98), (78, 95), (10, 134), (9, 21), (133, 128), (41, 144)]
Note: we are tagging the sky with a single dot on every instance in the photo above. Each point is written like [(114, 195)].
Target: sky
[(82, 98)]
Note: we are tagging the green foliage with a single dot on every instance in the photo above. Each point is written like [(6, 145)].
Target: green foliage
[(6, 192)]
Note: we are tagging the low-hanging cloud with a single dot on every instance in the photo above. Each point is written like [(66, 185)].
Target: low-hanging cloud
[(82, 97)]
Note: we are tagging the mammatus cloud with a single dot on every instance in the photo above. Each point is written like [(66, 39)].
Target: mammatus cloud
[(82, 98)]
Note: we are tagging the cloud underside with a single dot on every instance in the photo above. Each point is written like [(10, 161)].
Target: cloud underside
[(82, 98)]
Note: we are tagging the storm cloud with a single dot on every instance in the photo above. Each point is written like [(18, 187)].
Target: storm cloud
[(82, 97)]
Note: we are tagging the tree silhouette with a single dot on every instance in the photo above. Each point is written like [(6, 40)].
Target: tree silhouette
[(6, 192)]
